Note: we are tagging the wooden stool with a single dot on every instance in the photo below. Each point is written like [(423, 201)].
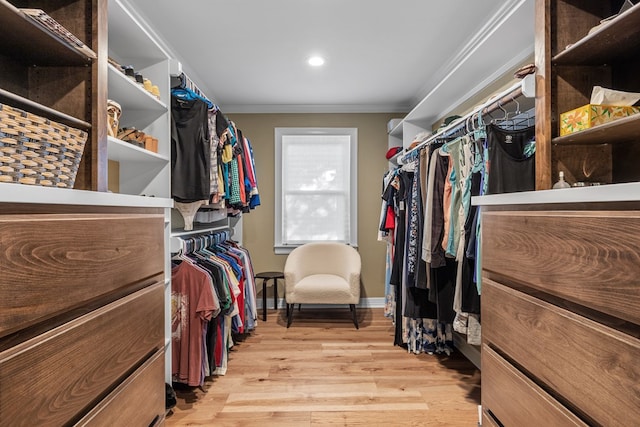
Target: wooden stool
[(266, 276)]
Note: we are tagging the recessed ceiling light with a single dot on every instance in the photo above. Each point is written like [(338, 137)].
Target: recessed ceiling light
[(316, 61)]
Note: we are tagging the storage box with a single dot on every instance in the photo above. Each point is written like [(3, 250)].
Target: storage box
[(591, 115), (39, 151)]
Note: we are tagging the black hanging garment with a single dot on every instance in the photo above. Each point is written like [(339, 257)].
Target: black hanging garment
[(511, 162), (190, 150)]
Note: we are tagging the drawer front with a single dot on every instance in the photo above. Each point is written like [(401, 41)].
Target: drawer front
[(487, 420), (593, 367), (52, 264), (591, 258), (51, 379), (138, 401), (515, 400)]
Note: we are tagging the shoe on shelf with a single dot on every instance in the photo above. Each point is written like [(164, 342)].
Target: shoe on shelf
[(129, 72), (132, 136), (155, 91), (114, 111), (147, 85)]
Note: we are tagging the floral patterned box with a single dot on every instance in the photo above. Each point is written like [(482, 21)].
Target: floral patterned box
[(591, 115)]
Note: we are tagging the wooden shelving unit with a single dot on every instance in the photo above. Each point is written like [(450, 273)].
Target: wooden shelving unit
[(42, 110), (612, 41), (32, 44), (573, 59), (617, 131), (559, 266), (90, 308)]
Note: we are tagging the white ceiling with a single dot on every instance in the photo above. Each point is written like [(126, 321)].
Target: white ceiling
[(250, 55)]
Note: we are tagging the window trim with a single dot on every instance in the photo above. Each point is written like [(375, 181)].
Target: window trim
[(283, 248)]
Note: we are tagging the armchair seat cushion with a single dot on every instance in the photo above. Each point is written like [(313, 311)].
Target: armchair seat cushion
[(323, 289)]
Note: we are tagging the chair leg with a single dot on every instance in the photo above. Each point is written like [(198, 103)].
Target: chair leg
[(275, 294), (289, 314), (264, 300), (352, 307)]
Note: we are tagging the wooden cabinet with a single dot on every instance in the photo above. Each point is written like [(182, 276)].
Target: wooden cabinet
[(43, 75), (571, 57), (560, 304), (81, 313), (83, 321)]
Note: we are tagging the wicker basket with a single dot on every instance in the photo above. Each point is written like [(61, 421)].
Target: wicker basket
[(38, 151)]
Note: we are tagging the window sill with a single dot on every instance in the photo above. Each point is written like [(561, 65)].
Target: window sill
[(286, 249)]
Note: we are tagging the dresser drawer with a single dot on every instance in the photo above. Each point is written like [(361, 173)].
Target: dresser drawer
[(138, 401), (517, 401), (51, 379), (591, 366), (588, 257), (52, 264), (488, 420)]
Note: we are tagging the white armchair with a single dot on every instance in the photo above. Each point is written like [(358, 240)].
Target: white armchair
[(322, 273)]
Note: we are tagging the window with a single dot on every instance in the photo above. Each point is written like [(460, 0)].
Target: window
[(315, 186)]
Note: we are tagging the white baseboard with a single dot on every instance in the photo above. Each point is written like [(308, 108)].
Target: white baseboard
[(364, 303)]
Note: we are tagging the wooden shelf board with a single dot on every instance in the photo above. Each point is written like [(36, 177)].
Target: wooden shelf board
[(612, 41), (31, 44), (42, 110), (121, 151), (619, 130)]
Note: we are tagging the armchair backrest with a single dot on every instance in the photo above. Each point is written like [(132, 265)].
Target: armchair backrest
[(323, 258)]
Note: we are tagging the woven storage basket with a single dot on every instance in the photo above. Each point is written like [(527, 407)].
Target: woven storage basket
[(38, 151)]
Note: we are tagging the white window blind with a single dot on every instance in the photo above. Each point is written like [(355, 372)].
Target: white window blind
[(315, 186)]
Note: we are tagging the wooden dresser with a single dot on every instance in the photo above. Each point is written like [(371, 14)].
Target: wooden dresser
[(561, 307), (81, 308)]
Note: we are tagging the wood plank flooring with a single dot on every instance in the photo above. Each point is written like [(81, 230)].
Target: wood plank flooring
[(323, 372)]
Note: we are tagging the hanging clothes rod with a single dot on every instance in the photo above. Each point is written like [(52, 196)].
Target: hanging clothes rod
[(177, 238), (494, 103), (184, 81)]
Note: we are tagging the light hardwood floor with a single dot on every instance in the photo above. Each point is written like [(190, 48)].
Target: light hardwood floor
[(323, 372)]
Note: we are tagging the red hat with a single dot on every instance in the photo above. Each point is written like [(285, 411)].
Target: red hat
[(393, 151)]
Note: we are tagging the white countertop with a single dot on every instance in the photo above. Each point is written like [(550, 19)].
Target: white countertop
[(19, 193), (602, 193)]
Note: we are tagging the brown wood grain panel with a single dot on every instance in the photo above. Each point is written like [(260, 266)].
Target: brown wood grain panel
[(625, 160), (54, 263), (589, 366), (62, 88), (53, 378), (543, 78), (30, 208), (517, 401), (574, 18), (590, 258), (138, 401), (97, 162), (583, 163), (488, 420)]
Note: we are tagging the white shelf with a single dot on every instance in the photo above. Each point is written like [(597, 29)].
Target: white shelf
[(139, 107), (129, 41), (629, 192), (20, 193), (121, 151)]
